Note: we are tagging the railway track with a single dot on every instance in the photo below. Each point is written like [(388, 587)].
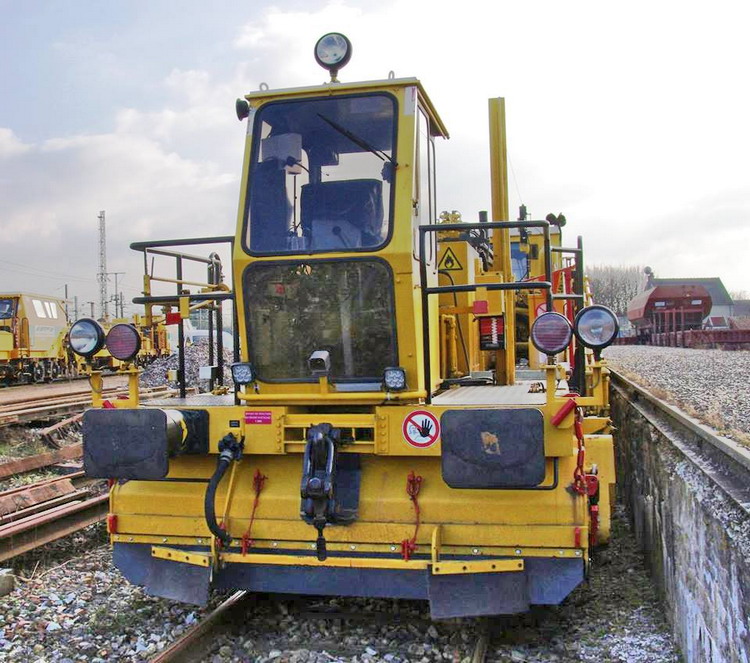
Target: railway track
[(44, 407), (38, 513), (725, 462), (197, 642)]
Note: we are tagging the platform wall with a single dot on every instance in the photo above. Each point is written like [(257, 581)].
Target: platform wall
[(696, 541)]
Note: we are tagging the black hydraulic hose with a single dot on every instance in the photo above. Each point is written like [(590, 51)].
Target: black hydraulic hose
[(229, 450), (210, 511)]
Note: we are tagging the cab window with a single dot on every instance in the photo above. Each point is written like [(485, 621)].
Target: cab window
[(345, 307), (321, 177), (6, 309)]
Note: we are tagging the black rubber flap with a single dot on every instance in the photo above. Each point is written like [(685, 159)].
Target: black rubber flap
[(125, 444), (500, 448), (178, 581), (476, 594)]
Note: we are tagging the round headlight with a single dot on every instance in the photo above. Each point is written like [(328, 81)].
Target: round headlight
[(123, 341), (333, 51), (596, 326), (86, 337), (551, 333)]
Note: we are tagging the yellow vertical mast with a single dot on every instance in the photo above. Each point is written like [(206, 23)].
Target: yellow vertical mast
[(506, 359)]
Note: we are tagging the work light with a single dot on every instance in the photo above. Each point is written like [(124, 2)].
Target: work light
[(332, 52), (243, 373), (596, 326), (86, 337), (394, 378), (123, 341), (551, 333)]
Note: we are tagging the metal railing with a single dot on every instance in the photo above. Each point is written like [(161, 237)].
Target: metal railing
[(214, 280), (511, 285)]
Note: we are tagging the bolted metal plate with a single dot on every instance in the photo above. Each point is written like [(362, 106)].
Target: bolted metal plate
[(497, 448), (477, 594)]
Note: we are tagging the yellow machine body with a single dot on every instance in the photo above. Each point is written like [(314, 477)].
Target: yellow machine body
[(33, 332), (409, 517)]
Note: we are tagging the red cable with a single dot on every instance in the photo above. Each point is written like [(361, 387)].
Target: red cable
[(413, 484), (258, 480)]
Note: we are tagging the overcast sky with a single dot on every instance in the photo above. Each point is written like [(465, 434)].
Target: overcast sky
[(633, 119)]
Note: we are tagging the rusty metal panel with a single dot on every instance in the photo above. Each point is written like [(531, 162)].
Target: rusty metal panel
[(41, 460), (34, 495), (22, 536)]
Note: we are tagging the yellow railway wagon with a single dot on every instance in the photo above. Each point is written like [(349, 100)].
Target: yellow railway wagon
[(381, 439), (33, 332)]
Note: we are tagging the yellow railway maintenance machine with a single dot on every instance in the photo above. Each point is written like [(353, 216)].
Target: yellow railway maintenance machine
[(379, 441)]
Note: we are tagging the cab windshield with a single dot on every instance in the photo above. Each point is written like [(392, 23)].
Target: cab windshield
[(321, 175), (343, 307), (6, 309)]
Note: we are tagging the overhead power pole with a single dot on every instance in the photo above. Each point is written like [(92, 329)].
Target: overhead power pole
[(119, 307), (102, 275)]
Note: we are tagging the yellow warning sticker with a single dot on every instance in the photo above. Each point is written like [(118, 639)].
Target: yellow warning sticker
[(449, 262)]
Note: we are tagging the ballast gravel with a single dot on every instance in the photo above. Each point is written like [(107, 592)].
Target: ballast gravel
[(710, 384), (196, 355), (79, 608)]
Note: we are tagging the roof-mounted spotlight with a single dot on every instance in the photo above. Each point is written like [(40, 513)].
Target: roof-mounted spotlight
[(332, 52), (242, 109)]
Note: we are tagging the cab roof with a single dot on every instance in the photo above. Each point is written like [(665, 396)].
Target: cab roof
[(437, 126)]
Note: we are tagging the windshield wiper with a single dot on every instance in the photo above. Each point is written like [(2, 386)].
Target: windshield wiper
[(361, 142)]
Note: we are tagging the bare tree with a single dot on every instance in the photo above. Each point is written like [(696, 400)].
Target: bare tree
[(739, 294), (615, 285)]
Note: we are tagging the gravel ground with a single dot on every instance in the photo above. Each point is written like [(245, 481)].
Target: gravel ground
[(709, 384), (81, 609), (196, 355)]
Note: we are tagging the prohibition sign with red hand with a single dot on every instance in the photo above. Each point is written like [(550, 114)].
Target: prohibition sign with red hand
[(421, 429)]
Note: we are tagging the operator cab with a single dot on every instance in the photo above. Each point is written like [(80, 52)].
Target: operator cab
[(339, 176)]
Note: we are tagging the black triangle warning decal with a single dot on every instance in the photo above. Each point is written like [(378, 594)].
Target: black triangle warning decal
[(449, 262)]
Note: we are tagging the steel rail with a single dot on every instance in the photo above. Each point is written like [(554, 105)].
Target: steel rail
[(21, 465), (43, 482), (194, 644), (68, 399), (191, 639), (49, 408), (23, 535), (725, 462)]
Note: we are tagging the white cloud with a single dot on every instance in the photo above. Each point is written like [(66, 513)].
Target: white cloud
[(10, 145), (630, 120)]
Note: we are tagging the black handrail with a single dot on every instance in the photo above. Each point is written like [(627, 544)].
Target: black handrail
[(579, 359), (157, 247), (219, 239), (514, 285)]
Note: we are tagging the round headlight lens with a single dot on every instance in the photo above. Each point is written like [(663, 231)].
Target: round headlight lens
[(551, 333), (596, 326), (123, 341), (333, 50), (86, 337)]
